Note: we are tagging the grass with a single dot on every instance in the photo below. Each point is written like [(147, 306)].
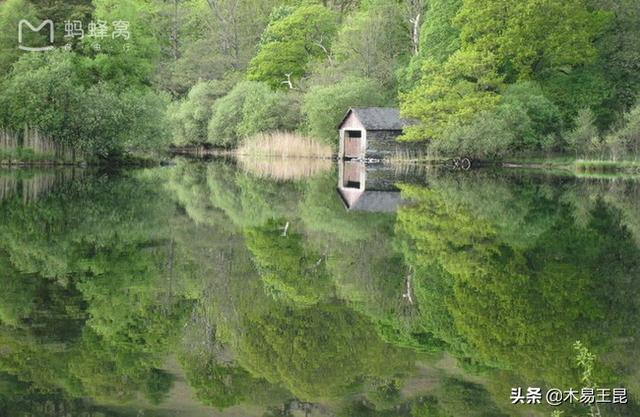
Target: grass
[(577, 166), (284, 145), (606, 167)]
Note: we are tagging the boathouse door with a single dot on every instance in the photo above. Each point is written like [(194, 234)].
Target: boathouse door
[(353, 144)]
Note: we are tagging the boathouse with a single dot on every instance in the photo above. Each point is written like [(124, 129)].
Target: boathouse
[(371, 132)]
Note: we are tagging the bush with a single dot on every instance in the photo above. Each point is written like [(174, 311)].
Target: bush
[(531, 115), (488, 136), (524, 122), (265, 110), (324, 106), (625, 142), (46, 93), (251, 107), (583, 139), (190, 117)]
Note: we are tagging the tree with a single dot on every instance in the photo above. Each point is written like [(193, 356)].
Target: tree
[(289, 271), (11, 12), (250, 107), (617, 60), (189, 118), (451, 94), (124, 63), (363, 50), (439, 37), (585, 135), (625, 141), (324, 351), (530, 36), (324, 106), (500, 43), (489, 277), (290, 43), (47, 93)]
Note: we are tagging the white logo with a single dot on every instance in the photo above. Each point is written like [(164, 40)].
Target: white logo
[(35, 29)]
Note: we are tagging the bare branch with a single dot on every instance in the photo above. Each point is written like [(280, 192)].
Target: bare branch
[(291, 87)]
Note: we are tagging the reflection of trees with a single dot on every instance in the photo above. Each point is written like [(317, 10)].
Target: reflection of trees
[(519, 302), (104, 279), (85, 314), (317, 352), (287, 269)]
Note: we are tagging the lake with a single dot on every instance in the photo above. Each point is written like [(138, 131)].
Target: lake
[(298, 288)]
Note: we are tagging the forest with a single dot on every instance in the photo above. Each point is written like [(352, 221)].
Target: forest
[(491, 79)]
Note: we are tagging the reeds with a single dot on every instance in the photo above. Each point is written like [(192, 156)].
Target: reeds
[(31, 186), (31, 146), (284, 145), (604, 166), (8, 142), (284, 169)]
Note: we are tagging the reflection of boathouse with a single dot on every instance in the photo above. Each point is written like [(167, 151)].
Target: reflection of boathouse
[(368, 187), (370, 133)]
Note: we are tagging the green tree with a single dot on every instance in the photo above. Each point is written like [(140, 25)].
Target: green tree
[(189, 118), (323, 351), (489, 277), (47, 93), (451, 94), (324, 106), (290, 43), (11, 12), (500, 43), (529, 36), (363, 50), (124, 63), (287, 270), (250, 107), (584, 137)]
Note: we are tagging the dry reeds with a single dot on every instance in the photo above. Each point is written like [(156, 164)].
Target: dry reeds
[(32, 186), (38, 143), (410, 156), (8, 142), (284, 169), (32, 145), (284, 145), (8, 186)]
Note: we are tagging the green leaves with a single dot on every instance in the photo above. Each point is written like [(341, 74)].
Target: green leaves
[(451, 94), (500, 43), (325, 106), (531, 35), (250, 107), (290, 43)]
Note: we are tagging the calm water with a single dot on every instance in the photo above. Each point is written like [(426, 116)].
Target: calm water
[(222, 289)]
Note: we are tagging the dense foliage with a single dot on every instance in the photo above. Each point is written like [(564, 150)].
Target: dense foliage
[(270, 293), (486, 78)]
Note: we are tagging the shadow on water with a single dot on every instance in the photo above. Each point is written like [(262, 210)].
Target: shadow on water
[(207, 289)]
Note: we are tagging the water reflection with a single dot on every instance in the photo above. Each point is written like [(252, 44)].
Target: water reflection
[(202, 289), (284, 169), (30, 185), (373, 187)]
